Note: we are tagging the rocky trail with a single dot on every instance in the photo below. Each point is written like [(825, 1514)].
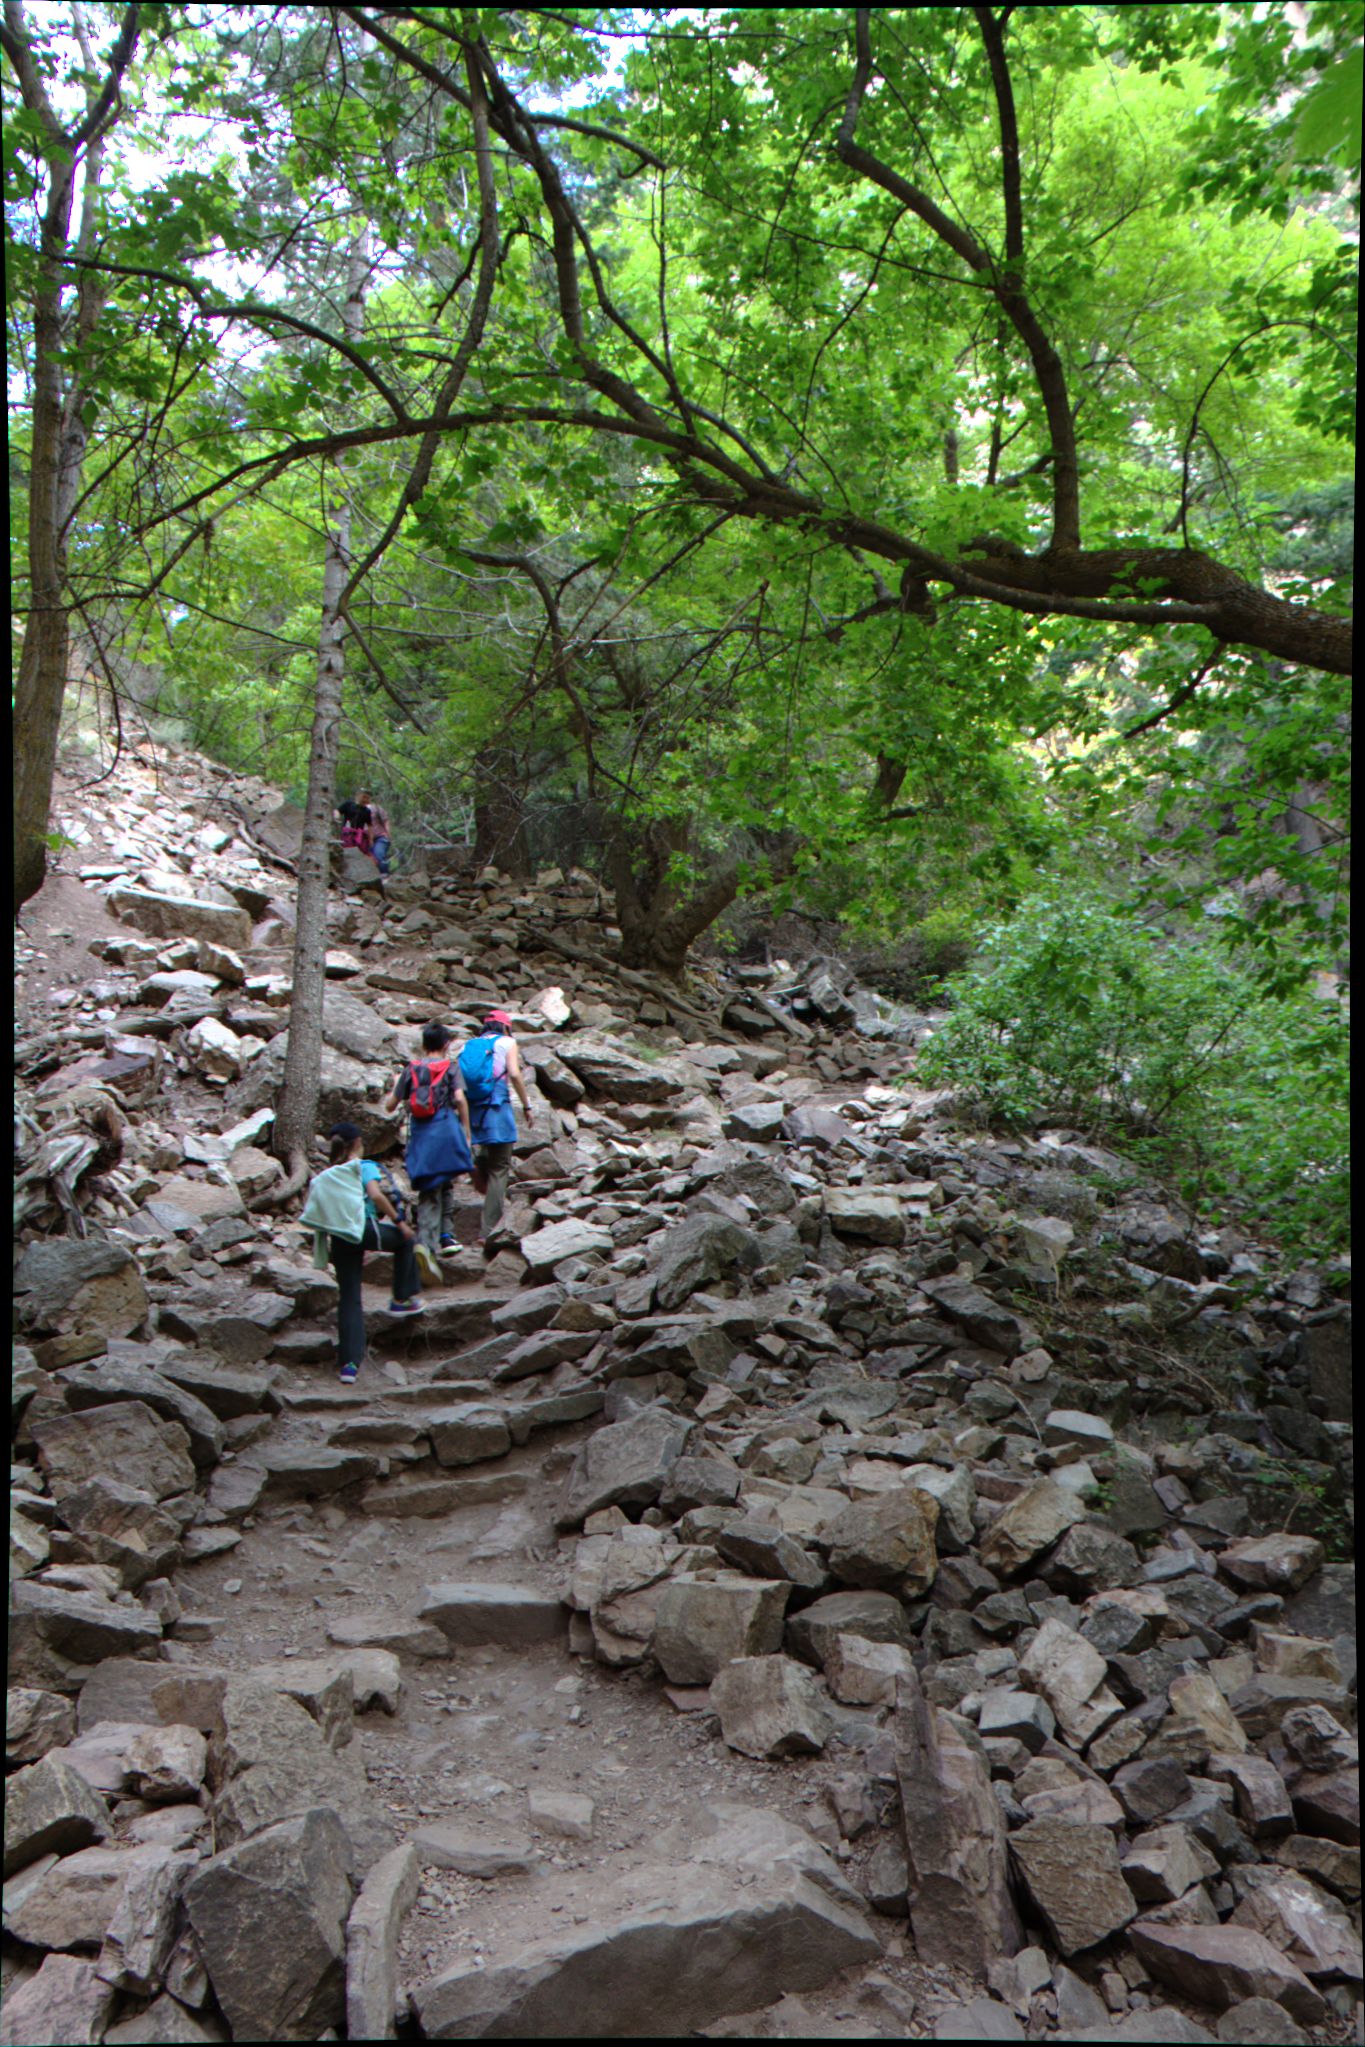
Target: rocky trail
[(834, 1573)]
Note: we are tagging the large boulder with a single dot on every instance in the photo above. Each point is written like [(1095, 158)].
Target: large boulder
[(126, 1437), (50, 1810), (67, 2001), (269, 1915), (887, 1541), (1028, 1525), (756, 1912), (983, 1319), (704, 1623), (54, 1636), (699, 1251), (625, 1464), (269, 1760), (85, 1291), (873, 1215), (107, 1379), (960, 1904), (550, 1245), (344, 1084), (1221, 1965), (606, 1070), (351, 1026), (1071, 1873), (123, 1527), (236, 1322), (769, 1708), (163, 916)]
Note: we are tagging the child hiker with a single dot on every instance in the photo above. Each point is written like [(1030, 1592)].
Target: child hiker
[(350, 1213), (438, 1143)]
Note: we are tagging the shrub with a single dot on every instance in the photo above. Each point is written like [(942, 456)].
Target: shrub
[(1081, 1015)]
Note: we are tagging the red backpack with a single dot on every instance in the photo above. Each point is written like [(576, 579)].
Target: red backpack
[(427, 1075)]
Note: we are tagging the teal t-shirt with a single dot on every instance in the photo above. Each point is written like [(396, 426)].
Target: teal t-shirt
[(369, 1171)]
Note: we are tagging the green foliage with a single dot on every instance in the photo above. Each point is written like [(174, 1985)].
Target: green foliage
[(1306, 1499), (1083, 1015)]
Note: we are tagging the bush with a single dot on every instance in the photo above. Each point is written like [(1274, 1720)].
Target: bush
[(1081, 1015)]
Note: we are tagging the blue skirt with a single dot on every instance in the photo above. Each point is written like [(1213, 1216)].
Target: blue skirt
[(493, 1122), (436, 1150)]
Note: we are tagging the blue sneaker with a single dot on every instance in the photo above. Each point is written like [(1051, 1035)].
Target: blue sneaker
[(450, 1243), (413, 1307), (348, 1375)]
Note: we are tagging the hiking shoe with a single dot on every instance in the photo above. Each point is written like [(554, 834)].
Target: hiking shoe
[(428, 1264), (413, 1307), (348, 1374)]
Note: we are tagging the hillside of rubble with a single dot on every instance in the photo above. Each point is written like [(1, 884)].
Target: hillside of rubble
[(835, 1572)]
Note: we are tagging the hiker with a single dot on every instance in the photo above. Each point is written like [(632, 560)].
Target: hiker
[(380, 836), (355, 824), (489, 1066), (438, 1143), (350, 1213)]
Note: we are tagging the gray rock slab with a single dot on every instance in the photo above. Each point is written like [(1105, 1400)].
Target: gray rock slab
[(386, 1897), (697, 1252), (270, 1917), (66, 2004), (704, 1623), (35, 1721), (484, 1852), (1071, 1872), (1222, 1965), (144, 1925), (769, 1707), (269, 1761), (624, 1464), (960, 1904), (468, 1613), (50, 1810), (694, 1943), (876, 1616), (102, 1380), (55, 1636), (123, 1438), (552, 1244)]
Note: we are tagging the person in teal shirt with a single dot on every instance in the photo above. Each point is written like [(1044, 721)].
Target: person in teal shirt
[(385, 1230)]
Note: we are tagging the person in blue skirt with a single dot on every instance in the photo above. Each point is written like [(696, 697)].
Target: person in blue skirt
[(438, 1142), (490, 1068)]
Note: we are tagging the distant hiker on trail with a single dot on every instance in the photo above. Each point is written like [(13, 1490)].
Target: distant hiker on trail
[(355, 824), (351, 1213), (438, 1143), (490, 1066), (380, 837)]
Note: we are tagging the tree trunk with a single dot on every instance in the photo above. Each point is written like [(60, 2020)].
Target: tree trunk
[(296, 1111), (59, 437), (499, 820), (658, 924)]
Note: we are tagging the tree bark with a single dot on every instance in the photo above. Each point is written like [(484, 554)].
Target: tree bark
[(658, 924), (499, 818), (296, 1112), (59, 434)]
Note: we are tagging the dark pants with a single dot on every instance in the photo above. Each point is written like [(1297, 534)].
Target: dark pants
[(346, 1262)]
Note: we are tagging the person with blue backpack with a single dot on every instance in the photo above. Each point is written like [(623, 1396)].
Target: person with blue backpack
[(490, 1068), (438, 1143)]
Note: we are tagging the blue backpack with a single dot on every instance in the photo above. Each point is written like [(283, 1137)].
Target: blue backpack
[(476, 1072)]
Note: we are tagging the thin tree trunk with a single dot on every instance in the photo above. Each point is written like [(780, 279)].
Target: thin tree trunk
[(296, 1112), (59, 435)]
